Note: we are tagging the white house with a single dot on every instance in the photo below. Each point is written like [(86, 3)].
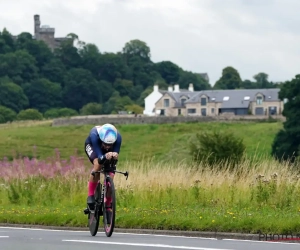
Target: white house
[(157, 93), (151, 99)]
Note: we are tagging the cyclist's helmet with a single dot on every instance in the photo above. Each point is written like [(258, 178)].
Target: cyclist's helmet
[(107, 133)]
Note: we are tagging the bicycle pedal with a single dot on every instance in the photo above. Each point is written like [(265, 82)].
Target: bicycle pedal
[(86, 211)]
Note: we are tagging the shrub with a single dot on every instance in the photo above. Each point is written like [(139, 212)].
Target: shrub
[(217, 149), (7, 114), (91, 108), (29, 114), (66, 112), (52, 113)]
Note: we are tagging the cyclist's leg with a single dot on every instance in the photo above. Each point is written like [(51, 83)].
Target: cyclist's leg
[(93, 180), (108, 198)]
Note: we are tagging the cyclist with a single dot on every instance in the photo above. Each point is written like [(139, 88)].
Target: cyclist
[(103, 143)]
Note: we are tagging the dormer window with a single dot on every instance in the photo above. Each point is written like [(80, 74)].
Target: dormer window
[(183, 100), (259, 100), (203, 101), (166, 102)]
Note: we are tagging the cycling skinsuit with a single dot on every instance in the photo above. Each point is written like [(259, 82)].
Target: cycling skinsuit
[(93, 144)]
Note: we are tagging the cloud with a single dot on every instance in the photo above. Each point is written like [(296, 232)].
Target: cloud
[(201, 36)]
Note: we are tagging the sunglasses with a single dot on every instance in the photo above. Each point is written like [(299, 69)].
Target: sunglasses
[(106, 144)]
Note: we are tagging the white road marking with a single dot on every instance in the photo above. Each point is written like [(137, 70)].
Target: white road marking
[(144, 245), (137, 234), (4, 236)]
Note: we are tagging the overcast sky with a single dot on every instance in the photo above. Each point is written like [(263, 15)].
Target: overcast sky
[(202, 36)]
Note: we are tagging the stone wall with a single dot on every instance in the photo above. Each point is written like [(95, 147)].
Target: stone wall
[(131, 119)]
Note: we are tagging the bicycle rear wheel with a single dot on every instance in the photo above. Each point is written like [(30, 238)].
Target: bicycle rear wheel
[(94, 216), (110, 214)]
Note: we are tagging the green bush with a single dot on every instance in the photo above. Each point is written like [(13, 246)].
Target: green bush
[(7, 114), (52, 113), (29, 114), (67, 112), (91, 108), (217, 149), (2, 119)]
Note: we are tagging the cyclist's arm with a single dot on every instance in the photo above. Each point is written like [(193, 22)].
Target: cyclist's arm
[(96, 146), (117, 145)]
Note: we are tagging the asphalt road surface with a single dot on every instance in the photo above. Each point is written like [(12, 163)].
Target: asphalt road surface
[(12, 238)]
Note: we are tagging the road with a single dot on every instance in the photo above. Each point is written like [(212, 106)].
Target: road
[(12, 238)]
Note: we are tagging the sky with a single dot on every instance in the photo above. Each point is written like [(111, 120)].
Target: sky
[(202, 36)]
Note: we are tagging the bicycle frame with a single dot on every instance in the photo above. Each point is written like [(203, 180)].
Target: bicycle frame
[(100, 206)]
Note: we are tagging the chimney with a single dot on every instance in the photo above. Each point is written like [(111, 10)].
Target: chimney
[(176, 88), (155, 88), (191, 87), (170, 88)]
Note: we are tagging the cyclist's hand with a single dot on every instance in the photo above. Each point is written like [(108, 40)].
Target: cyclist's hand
[(115, 155), (108, 155)]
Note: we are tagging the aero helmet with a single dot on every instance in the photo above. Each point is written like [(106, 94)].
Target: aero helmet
[(107, 133)]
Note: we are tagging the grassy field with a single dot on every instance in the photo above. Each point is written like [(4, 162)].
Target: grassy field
[(164, 142), (158, 196), (161, 194)]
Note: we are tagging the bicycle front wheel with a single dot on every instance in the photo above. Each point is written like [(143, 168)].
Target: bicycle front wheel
[(94, 216), (109, 213)]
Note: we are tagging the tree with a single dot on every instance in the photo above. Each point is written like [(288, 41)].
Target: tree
[(137, 48), (20, 66), (124, 87), (80, 88), (261, 79), (168, 70), (43, 94), (91, 108), (136, 109), (286, 144), (12, 95), (111, 67), (68, 53), (230, 79), (90, 55), (6, 42), (7, 114), (54, 71), (199, 83), (38, 49)]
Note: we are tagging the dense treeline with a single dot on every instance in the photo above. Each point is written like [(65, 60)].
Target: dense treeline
[(76, 74), (78, 78)]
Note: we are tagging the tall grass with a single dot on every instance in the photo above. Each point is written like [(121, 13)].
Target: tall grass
[(262, 196)]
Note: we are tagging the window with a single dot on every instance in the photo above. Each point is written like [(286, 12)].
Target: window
[(225, 98), (246, 98), (182, 101), (162, 112), (213, 110), (259, 100), (191, 111), (179, 111), (203, 112), (273, 110), (166, 102), (203, 101)]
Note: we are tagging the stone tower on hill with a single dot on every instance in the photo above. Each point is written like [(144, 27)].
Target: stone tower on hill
[(46, 33)]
